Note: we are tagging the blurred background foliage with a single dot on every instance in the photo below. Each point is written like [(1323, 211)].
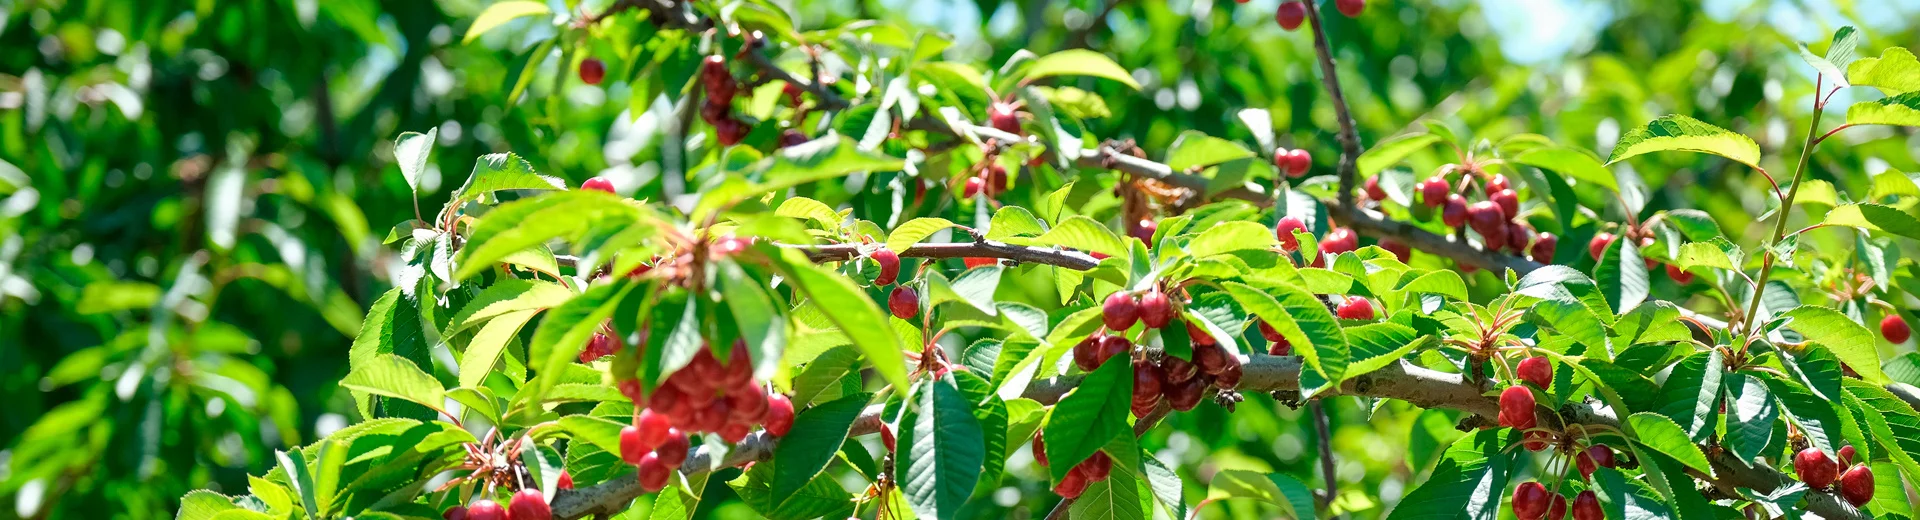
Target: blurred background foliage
[(194, 194)]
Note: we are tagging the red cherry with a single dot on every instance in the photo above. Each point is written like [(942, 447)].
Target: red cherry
[(749, 405), (633, 390), (1846, 456), (673, 451), (792, 137), (1815, 468), (1644, 243), (1290, 15), (779, 418), (1210, 359), (1518, 235), (709, 418), (592, 70), (1086, 353), (1434, 191), (1351, 8), (1119, 311), (1339, 240), (1229, 376), (973, 187), (652, 428), (904, 303), (1400, 251), (732, 133), (1530, 501), (1536, 370), (1355, 309), (653, 473), (1598, 246), (1516, 408), (598, 184), (1594, 457), (973, 262), (1146, 380), (1072, 485), (1895, 329), (1003, 118), (529, 504), (1373, 189), (1487, 218), (1040, 450), (1284, 231), (484, 509), (1586, 506), (1097, 466), (1678, 275), (1857, 485), (734, 432), (671, 400), (1143, 231), (631, 445), (886, 436), (1536, 440), (1143, 406), (1186, 395), (1198, 335), (1542, 250), (1176, 371), (1455, 213), (1497, 183), (456, 513), (1110, 346), (1298, 162), (1156, 309), (889, 266)]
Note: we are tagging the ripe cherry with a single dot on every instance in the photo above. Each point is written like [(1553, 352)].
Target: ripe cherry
[(1143, 406), (1586, 506), (1156, 309), (792, 137), (1857, 485), (1400, 251), (1846, 456), (673, 451), (889, 266), (1119, 311), (1355, 309), (779, 418), (1542, 250), (1454, 214), (592, 70), (1497, 183), (456, 513), (1487, 218), (529, 504), (484, 509), (1072, 485), (1895, 329), (1530, 501), (886, 437), (1298, 162), (632, 389), (1516, 408), (1518, 235), (1277, 344), (1086, 353), (1434, 191), (748, 404), (1291, 13), (1143, 230), (1003, 118), (1110, 346), (1097, 466), (1678, 275), (904, 303), (1594, 457), (1339, 240), (1557, 508), (1598, 246), (1815, 468), (1284, 231), (973, 187), (1146, 380), (1186, 395), (1040, 450), (1536, 440), (632, 446), (1210, 359), (652, 429), (598, 184), (1536, 370), (653, 473), (1229, 377), (734, 432), (1351, 8), (1373, 189), (1176, 371)]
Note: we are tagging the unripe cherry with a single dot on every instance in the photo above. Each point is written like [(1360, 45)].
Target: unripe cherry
[(779, 415), (1530, 501), (1119, 311), (889, 266), (1586, 506), (592, 70), (1536, 370), (653, 473), (1351, 8), (673, 451), (1895, 329), (1355, 309), (1454, 214), (1598, 246), (1857, 485), (1434, 191), (1815, 468), (1373, 189), (1284, 231), (1291, 13), (529, 504), (1156, 309), (484, 509), (904, 303), (1516, 408), (598, 184)]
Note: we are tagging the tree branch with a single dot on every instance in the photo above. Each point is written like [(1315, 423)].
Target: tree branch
[(1349, 136)]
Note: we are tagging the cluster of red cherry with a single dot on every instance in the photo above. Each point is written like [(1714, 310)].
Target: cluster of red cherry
[(1096, 468), (1532, 500), (990, 177), (1496, 219), (1181, 382), (718, 109), (526, 504), (705, 396), (1818, 471), (1338, 240), (1293, 12)]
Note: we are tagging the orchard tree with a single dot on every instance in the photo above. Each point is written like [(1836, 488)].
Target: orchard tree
[(804, 323)]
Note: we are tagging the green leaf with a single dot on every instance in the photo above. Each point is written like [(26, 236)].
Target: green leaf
[(1900, 110), (1085, 234), (1622, 276), (1166, 485), (943, 449), (114, 296), (1840, 54), (1751, 415), (1014, 221), (1469, 481), (1704, 254), (295, 467), (483, 352), (1079, 62), (805, 208), (1118, 497), (506, 296), (1691, 394), (818, 159), (1445, 283), (1686, 134), (914, 231), (1814, 416), (411, 148), (502, 171), (807, 449), (855, 314), (1848, 340), (1089, 416), (1228, 237), (1306, 323), (822, 497), (502, 12), (599, 431), (1573, 163), (1660, 434), (1874, 217), (1376, 345), (1891, 421), (393, 326), (1387, 153), (565, 332), (1895, 72), (394, 376), (201, 504), (1293, 498), (521, 224), (1195, 149)]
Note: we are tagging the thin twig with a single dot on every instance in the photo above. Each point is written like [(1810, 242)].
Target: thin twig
[(1321, 427)]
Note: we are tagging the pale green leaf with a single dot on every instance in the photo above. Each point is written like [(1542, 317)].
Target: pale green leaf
[(502, 12), (1682, 133), (1079, 62)]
